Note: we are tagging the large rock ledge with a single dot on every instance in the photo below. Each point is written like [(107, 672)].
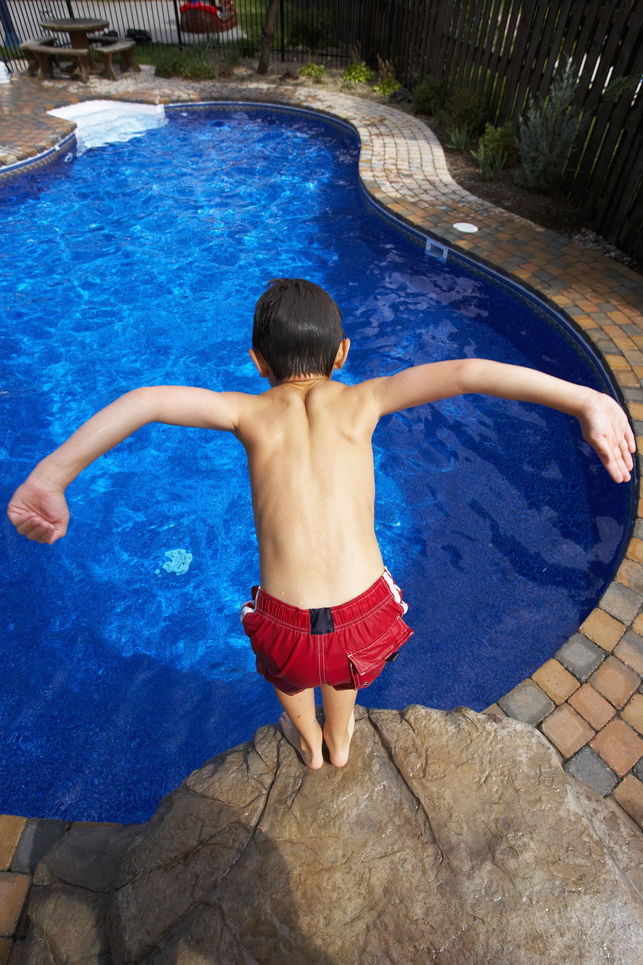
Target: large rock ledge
[(453, 838)]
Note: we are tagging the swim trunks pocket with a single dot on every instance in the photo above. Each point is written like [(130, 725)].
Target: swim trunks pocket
[(368, 662)]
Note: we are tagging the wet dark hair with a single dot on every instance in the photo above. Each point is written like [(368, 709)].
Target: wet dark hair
[(297, 328)]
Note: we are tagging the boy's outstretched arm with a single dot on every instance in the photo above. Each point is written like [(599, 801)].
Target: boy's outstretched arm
[(38, 508), (603, 422)]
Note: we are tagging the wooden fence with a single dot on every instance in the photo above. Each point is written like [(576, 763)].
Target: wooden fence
[(508, 50)]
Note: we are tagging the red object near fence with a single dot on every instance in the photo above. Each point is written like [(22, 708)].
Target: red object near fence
[(205, 18)]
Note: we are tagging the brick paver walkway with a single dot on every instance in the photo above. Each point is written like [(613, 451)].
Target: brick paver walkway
[(588, 699)]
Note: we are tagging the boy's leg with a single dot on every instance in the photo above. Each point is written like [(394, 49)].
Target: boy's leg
[(339, 723), (300, 726)]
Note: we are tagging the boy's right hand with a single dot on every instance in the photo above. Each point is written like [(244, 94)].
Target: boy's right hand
[(38, 511)]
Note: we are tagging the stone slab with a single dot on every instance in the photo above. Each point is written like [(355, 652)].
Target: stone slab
[(448, 837)]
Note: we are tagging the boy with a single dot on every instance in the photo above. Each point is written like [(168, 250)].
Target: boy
[(327, 612)]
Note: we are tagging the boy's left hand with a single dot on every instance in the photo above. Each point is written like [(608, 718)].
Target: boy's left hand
[(606, 428)]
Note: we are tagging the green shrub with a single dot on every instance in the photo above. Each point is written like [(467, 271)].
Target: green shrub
[(429, 96), (388, 83), (387, 86), (496, 149), (193, 63), (312, 30), (316, 72), (459, 137), (465, 108), (546, 134), (357, 73), (233, 55), (491, 162)]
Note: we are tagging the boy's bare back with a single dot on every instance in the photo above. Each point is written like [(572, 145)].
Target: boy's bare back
[(309, 452)]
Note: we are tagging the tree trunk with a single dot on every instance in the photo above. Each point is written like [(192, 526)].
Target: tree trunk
[(267, 33)]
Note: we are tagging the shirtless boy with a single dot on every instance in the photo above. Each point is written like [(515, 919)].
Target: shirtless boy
[(327, 613)]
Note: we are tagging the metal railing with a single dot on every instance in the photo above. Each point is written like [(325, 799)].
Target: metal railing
[(304, 28)]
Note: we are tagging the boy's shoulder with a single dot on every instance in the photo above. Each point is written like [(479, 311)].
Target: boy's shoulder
[(334, 397)]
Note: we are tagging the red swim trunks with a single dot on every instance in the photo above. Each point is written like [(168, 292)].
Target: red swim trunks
[(345, 646)]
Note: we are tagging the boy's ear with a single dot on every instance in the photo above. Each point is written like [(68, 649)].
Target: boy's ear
[(263, 368), (342, 353)]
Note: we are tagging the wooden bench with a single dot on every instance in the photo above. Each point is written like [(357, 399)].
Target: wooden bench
[(125, 48), (42, 55)]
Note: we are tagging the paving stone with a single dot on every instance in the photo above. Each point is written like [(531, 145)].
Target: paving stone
[(621, 602), (603, 629), (632, 713), (631, 573), (630, 651), (527, 702), (580, 656), (494, 710), (567, 730), (619, 746), (638, 770), (13, 892), (11, 827), (555, 680), (37, 838), (635, 549), (615, 681), (588, 767), (592, 706), (629, 795)]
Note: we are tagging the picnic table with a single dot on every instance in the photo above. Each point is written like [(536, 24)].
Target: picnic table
[(43, 53), (78, 29)]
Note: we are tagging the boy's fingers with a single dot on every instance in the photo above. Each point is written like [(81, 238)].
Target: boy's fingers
[(623, 464), (34, 528)]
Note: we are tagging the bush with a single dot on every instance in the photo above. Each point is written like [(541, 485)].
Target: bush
[(465, 108), (429, 96), (496, 149), (357, 73), (388, 83), (316, 72), (459, 137), (312, 30), (193, 63), (546, 134), (387, 86)]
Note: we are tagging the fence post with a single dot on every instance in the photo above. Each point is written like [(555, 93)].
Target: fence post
[(177, 18), (11, 38)]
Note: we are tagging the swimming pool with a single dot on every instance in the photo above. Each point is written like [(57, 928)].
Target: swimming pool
[(519, 536)]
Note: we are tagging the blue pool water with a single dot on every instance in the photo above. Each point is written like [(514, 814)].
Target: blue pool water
[(140, 262)]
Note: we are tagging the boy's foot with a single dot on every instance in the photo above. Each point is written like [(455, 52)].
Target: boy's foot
[(311, 758), (338, 753)]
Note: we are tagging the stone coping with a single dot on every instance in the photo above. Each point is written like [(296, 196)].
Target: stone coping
[(588, 699)]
